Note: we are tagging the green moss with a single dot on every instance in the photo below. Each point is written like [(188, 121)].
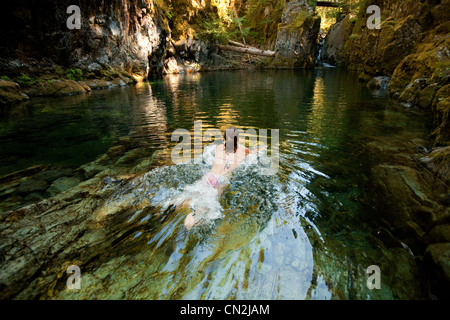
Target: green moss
[(25, 81), (59, 71), (299, 20), (441, 110), (74, 74)]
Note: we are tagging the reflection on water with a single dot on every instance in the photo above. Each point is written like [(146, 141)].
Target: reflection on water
[(303, 233)]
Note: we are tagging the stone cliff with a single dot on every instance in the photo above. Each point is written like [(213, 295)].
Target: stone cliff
[(296, 42), (114, 34)]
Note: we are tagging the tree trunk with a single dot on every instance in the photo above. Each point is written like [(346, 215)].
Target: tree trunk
[(248, 50)]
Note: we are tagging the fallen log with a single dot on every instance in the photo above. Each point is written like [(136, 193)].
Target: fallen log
[(238, 44), (249, 50)]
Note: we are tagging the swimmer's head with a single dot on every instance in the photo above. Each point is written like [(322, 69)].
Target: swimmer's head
[(231, 137)]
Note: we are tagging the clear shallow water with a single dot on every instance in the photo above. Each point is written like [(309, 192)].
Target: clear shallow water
[(307, 232)]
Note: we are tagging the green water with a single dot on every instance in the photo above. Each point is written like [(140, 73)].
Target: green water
[(307, 232)]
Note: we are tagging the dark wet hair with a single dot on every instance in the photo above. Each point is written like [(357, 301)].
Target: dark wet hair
[(231, 137)]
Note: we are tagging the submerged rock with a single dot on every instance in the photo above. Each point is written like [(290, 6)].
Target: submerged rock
[(53, 174), (403, 196), (91, 169), (29, 186), (35, 196), (132, 156), (62, 184), (378, 83)]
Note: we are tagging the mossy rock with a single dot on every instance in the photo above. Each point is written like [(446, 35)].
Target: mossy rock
[(10, 93), (438, 161), (430, 61), (426, 96), (441, 110), (412, 91), (56, 88)]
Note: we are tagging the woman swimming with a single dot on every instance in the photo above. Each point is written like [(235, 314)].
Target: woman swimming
[(227, 157)]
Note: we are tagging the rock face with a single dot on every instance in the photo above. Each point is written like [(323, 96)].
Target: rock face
[(296, 41), (332, 51), (375, 51), (120, 34)]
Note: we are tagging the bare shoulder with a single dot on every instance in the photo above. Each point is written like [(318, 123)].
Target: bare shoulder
[(219, 148)]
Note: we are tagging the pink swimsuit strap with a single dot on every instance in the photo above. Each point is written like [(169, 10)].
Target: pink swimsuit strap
[(212, 179)]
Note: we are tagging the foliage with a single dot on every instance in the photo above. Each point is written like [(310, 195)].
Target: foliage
[(74, 74), (216, 29), (166, 7), (263, 17), (24, 80), (224, 27), (59, 70), (5, 78)]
